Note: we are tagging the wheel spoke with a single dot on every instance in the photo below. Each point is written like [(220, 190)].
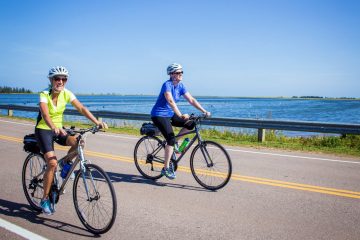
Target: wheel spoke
[(97, 212), (148, 163), (211, 165), (32, 176)]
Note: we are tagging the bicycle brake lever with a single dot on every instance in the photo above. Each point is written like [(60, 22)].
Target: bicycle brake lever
[(95, 129), (70, 131)]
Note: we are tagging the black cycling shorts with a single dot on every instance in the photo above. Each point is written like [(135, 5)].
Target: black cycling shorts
[(46, 139), (165, 126)]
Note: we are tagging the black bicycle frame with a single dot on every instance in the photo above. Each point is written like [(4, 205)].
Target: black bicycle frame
[(177, 159), (196, 131)]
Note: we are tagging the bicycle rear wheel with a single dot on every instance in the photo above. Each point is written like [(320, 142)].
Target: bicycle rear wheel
[(94, 199), (149, 157), (33, 179), (210, 165)]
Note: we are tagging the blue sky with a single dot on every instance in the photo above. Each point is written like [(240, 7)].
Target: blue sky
[(228, 48)]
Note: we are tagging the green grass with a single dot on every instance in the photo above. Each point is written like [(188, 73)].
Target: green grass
[(342, 146), (345, 146)]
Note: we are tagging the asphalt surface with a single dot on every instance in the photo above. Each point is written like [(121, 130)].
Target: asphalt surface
[(272, 195)]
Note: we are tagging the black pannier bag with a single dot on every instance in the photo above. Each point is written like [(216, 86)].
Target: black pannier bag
[(149, 129), (30, 144)]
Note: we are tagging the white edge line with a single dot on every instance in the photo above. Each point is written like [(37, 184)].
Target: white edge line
[(20, 231), (228, 149), (28, 124), (293, 156)]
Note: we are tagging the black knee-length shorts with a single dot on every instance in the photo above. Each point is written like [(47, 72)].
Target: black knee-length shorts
[(165, 126), (46, 139)]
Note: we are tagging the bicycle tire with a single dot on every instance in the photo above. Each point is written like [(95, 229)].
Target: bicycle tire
[(99, 206), (33, 188), (211, 177), (143, 157)]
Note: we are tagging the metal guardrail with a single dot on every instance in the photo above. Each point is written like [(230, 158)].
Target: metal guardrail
[(261, 125)]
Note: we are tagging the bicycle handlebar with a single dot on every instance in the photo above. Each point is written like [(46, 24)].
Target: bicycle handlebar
[(198, 117), (73, 131)]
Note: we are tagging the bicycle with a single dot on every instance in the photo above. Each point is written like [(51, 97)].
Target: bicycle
[(210, 163), (94, 196)]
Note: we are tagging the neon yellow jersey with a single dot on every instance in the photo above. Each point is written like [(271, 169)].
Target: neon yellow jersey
[(55, 112)]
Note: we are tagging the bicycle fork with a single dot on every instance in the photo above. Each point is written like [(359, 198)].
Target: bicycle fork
[(206, 155), (83, 175)]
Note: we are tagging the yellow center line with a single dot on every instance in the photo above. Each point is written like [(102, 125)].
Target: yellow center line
[(294, 184), (264, 181), (10, 138)]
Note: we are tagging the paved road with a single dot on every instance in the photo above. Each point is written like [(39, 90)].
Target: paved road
[(272, 195)]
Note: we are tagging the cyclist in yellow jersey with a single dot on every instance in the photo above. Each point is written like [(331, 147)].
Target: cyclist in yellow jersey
[(49, 125)]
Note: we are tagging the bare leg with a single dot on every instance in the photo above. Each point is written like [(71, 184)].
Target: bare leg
[(49, 174), (52, 163), (168, 153), (170, 149), (71, 141), (182, 131)]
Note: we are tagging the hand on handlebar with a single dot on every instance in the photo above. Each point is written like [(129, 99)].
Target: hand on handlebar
[(207, 114), (102, 125), (59, 131), (185, 116)]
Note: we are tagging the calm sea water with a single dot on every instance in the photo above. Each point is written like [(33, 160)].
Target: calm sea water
[(343, 111), (338, 111)]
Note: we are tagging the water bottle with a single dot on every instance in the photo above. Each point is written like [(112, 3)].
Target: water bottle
[(65, 170), (184, 144)]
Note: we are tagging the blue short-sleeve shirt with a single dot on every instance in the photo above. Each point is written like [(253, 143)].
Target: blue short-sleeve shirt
[(162, 107)]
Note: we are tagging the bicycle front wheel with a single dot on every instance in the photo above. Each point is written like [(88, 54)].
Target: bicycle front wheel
[(94, 199), (149, 157), (33, 179), (210, 165)]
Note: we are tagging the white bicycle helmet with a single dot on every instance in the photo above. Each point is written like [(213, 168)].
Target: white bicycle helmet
[(173, 68), (59, 70)]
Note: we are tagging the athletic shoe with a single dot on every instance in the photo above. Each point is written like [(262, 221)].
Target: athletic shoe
[(171, 167), (46, 207), (168, 173)]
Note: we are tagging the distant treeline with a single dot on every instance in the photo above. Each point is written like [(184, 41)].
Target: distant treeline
[(319, 97), (6, 89)]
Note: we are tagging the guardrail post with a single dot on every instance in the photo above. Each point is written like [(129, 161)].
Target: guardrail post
[(261, 135), (10, 112)]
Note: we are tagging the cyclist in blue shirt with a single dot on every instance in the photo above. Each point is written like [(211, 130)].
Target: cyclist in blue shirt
[(166, 113)]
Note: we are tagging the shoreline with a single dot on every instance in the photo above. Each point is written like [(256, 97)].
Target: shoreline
[(206, 96)]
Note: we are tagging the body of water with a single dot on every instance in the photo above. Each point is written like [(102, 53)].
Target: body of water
[(318, 110)]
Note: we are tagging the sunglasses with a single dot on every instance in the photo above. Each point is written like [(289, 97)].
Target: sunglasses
[(57, 79), (178, 73)]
